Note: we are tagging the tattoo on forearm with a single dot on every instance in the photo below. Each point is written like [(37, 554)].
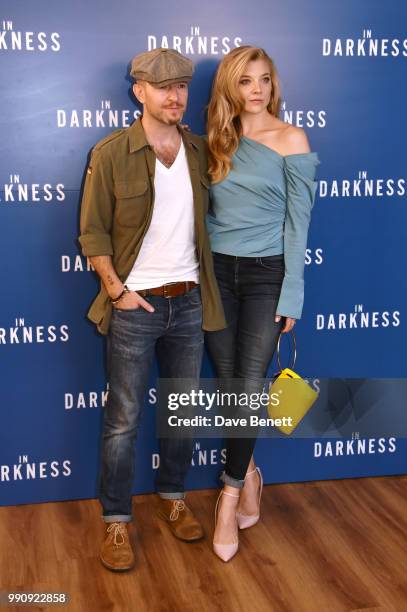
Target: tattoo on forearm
[(110, 280)]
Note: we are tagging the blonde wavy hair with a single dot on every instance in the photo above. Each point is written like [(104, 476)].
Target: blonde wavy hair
[(223, 126)]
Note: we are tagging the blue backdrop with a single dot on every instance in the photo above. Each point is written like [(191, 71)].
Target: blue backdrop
[(64, 86)]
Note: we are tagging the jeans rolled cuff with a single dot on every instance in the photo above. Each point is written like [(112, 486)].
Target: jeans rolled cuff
[(117, 518), (171, 495), (229, 480)]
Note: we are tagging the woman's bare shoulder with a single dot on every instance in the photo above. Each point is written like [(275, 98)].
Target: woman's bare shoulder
[(283, 137), (293, 140)]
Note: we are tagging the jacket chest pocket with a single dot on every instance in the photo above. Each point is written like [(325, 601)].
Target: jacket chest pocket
[(205, 193), (131, 202)]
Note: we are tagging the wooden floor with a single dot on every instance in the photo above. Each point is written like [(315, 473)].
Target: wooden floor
[(320, 547)]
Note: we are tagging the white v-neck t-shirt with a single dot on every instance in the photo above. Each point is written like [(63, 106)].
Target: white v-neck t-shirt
[(168, 251)]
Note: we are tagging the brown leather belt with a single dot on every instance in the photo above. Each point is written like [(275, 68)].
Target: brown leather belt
[(169, 290)]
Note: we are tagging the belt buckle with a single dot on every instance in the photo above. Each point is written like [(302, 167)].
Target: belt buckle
[(165, 290)]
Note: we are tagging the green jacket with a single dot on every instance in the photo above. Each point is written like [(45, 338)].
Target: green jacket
[(117, 207)]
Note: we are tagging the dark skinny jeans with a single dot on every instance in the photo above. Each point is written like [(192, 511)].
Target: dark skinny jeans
[(250, 288)]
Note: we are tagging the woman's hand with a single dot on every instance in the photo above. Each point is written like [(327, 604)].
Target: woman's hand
[(289, 323)]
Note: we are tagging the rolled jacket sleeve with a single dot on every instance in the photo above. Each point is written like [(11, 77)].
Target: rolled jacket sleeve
[(299, 170), (97, 206)]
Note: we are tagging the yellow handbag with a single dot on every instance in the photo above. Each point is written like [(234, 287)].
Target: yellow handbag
[(290, 397)]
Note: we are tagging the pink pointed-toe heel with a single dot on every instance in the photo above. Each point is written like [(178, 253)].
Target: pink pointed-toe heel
[(244, 520), (224, 551)]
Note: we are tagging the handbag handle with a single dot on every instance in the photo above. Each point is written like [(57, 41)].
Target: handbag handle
[(278, 350)]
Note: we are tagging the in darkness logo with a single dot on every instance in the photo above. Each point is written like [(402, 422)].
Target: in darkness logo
[(194, 43), (17, 40)]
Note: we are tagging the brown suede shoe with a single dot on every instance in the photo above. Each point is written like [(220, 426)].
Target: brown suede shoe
[(116, 552), (181, 521)]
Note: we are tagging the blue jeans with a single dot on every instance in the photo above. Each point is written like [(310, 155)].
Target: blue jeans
[(174, 333), (250, 289)]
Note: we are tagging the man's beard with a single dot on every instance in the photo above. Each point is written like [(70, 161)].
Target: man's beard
[(163, 117)]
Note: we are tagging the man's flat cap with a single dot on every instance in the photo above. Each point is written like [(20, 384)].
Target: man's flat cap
[(161, 67)]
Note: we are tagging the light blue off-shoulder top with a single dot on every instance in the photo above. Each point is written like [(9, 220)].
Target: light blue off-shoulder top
[(263, 207)]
